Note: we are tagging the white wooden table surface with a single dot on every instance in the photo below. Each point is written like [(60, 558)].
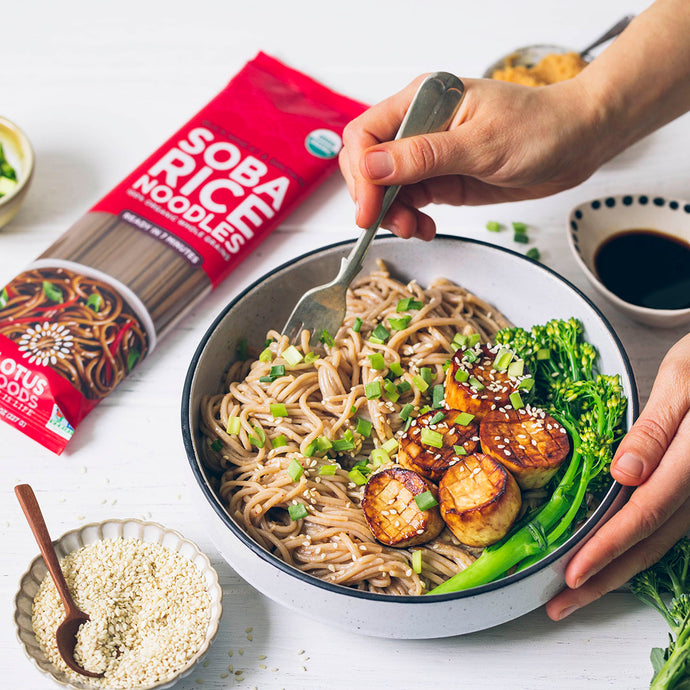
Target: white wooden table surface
[(98, 87)]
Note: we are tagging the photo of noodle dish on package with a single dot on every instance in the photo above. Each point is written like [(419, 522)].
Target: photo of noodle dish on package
[(429, 446)]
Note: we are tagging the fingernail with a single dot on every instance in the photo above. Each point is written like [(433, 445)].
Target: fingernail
[(378, 164), (567, 611), (356, 212), (630, 465), (582, 579)]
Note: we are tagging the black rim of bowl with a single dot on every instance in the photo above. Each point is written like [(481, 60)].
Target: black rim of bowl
[(211, 496)]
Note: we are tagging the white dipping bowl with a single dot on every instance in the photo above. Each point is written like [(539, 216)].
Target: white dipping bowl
[(90, 534), (528, 293), (591, 223)]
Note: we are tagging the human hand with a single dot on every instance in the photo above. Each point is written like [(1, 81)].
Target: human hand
[(506, 143), (654, 457)]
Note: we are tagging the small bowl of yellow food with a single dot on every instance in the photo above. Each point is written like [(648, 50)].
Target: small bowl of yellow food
[(537, 65), (16, 169)]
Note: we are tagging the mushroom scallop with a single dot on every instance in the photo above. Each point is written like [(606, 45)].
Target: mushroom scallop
[(480, 500), (529, 442), (477, 381), (436, 440), (394, 507)]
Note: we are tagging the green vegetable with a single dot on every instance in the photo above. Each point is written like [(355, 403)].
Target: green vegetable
[(53, 292), (357, 476), (328, 470), (519, 228), (390, 446), (516, 400), (461, 375), (438, 417), (421, 384), (341, 445), (260, 437), (476, 383), (533, 253), (132, 359), (406, 411), (363, 427), (381, 333), (520, 237), (379, 457), (437, 396), (372, 390), (403, 387), (297, 511), (426, 374), (278, 410), (464, 418), (391, 391), (591, 407), (310, 357), (326, 338), (94, 302), (4, 298), (417, 561), (234, 426), (665, 586), (279, 441), (291, 355), (377, 361), (357, 325), (323, 444), (241, 349), (425, 501), (493, 226), (295, 470), (217, 445), (432, 438), (459, 450), (401, 323), (396, 368), (8, 176)]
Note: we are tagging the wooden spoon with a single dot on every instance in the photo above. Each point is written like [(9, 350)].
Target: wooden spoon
[(66, 634)]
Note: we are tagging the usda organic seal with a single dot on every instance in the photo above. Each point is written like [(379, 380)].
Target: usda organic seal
[(323, 143)]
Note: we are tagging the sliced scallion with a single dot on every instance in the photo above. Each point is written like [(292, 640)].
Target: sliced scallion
[(463, 419), (420, 383), (391, 391), (217, 445), (279, 441), (379, 457), (403, 304), (473, 339), (425, 501), (437, 396), (292, 355), (519, 227), (406, 411), (233, 426), (356, 476), (476, 383), (363, 427), (396, 368), (403, 387), (276, 371), (520, 237), (459, 450), (461, 375), (372, 390), (438, 417), (377, 361), (399, 324), (266, 355), (516, 368), (470, 356), (357, 325), (533, 253), (328, 470), (502, 359), (493, 226), (390, 446), (426, 374), (295, 470), (432, 438), (516, 400), (278, 410), (323, 444), (326, 338), (340, 445), (417, 561), (526, 384), (94, 302), (260, 437), (311, 357), (297, 511), (381, 332), (311, 448)]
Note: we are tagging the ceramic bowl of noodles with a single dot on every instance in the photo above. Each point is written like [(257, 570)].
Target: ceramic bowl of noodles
[(358, 482), (16, 169)]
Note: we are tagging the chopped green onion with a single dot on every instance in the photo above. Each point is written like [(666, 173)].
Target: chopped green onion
[(292, 355), (295, 470), (94, 302), (377, 361), (438, 417), (403, 387), (403, 304), (401, 323), (391, 391), (323, 444), (408, 423), (425, 501), (363, 427), (432, 438), (278, 410), (375, 340), (516, 368), (311, 448), (279, 441), (461, 375), (241, 349), (390, 446), (266, 355), (132, 359), (493, 226), (520, 237), (357, 325), (260, 437), (446, 365), (311, 357), (533, 253), (520, 227), (4, 298), (463, 419), (503, 359), (437, 396), (379, 457), (526, 384), (326, 338), (381, 332), (234, 426), (276, 371), (417, 561), (341, 445), (516, 400), (470, 356), (459, 450), (268, 341), (425, 373), (217, 445), (396, 368), (473, 339), (544, 353), (372, 390), (347, 434), (459, 341), (420, 383), (406, 411), (353, 409), (266, 379), (415, 305), (356, 476), (476, 384), (297, 511), (328, 470), (424, 410)]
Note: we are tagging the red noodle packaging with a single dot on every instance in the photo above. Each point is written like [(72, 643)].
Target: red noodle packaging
[(93, 305)]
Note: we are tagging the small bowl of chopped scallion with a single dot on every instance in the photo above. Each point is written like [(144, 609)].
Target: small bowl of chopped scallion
[(16, 169)]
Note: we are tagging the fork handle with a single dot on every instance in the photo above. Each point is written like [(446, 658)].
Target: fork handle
[(431, 110)]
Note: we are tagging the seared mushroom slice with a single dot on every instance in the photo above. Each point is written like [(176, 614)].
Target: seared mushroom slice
[(529, 442), (436, 440), (393, 514), (480, 500)]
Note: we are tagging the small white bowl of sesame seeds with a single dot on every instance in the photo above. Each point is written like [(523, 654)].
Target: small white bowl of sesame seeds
[(153, 598)]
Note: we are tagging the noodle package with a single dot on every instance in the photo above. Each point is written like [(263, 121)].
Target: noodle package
[(92, 306)]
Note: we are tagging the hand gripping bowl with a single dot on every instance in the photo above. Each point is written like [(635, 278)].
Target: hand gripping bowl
[(527, 293)]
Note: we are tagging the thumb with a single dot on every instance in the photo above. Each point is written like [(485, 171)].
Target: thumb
[(413, 159), (643, 447)]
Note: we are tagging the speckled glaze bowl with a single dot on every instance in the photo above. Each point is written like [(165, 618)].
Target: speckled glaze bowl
[(20, 155), (527, 56), (89, 534), (528, 293), (591, 223)]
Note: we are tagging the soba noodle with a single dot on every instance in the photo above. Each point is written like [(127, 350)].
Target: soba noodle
[(79, 326), (324, 398)]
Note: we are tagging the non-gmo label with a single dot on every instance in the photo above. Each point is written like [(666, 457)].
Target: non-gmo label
[(323, 143)]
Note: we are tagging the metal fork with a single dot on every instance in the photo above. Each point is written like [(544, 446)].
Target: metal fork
[(323, 307)]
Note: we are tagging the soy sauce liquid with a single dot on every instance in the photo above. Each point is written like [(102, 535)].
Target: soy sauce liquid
[(646, 268)]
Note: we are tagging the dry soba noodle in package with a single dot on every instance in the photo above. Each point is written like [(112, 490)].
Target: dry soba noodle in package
[(92, 306)]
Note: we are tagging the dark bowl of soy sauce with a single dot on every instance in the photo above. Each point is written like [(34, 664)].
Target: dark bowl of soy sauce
[(635, 250)]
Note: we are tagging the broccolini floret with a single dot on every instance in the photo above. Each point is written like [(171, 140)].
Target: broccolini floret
[(665, 587)]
